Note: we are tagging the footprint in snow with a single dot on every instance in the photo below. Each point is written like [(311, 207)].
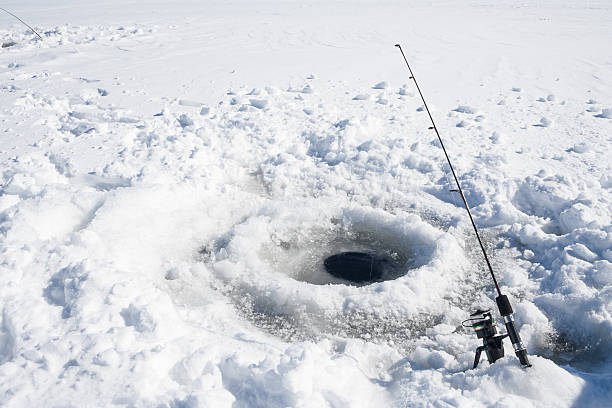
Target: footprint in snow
[(517, 89), (404, 91), (495, 138), (381, 85), (307, 90), (259, 103), (549, 98), (592, 107), (605, 114), (579, 148), (544, 122), (361, 97), (465, 109)]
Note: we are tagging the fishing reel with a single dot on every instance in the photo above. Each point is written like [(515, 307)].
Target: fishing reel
[(492, 343), (483, 324)]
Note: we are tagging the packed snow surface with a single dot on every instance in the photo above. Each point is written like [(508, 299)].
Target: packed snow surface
[(173, 174)]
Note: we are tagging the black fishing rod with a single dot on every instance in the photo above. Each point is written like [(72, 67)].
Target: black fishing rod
[(481, 321)]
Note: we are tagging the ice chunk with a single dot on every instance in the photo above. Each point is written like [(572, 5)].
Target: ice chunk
[(184, 120), (259, 103)]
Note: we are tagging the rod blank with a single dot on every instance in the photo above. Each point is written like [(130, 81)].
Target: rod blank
[(459, 189)]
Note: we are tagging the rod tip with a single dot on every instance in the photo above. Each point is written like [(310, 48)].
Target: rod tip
[(397, 45)]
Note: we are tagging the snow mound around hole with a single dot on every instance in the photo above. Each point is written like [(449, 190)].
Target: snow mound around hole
[(276, 258)]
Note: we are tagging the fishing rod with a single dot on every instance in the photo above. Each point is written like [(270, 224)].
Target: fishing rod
[(24, 23), (481, 320)]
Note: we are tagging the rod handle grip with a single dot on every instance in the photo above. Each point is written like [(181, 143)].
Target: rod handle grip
[(505, 309)]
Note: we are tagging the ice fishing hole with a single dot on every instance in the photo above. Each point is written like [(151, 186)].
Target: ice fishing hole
[(357, 267), (356, 248), (271, 266), (355, 254)]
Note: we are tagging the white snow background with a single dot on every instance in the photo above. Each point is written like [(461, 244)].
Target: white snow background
[(173, 173)]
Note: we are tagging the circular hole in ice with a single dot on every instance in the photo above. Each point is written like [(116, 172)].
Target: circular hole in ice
[(357, 267), (323, 256), (306, 246), (272, 267)]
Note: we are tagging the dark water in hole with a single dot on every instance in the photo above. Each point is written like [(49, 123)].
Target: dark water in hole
[(357, 267), (391, 255)]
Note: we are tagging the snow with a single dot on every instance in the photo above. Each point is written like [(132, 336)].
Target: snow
[(465, 109), (172, 175), (606, 113)]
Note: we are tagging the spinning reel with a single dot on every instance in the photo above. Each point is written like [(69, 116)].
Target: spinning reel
[(483, 324)]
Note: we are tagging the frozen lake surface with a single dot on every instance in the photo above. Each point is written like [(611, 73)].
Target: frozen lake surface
[(174, 174)]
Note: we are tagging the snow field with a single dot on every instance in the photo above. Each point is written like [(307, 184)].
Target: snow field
[(160, 248)]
